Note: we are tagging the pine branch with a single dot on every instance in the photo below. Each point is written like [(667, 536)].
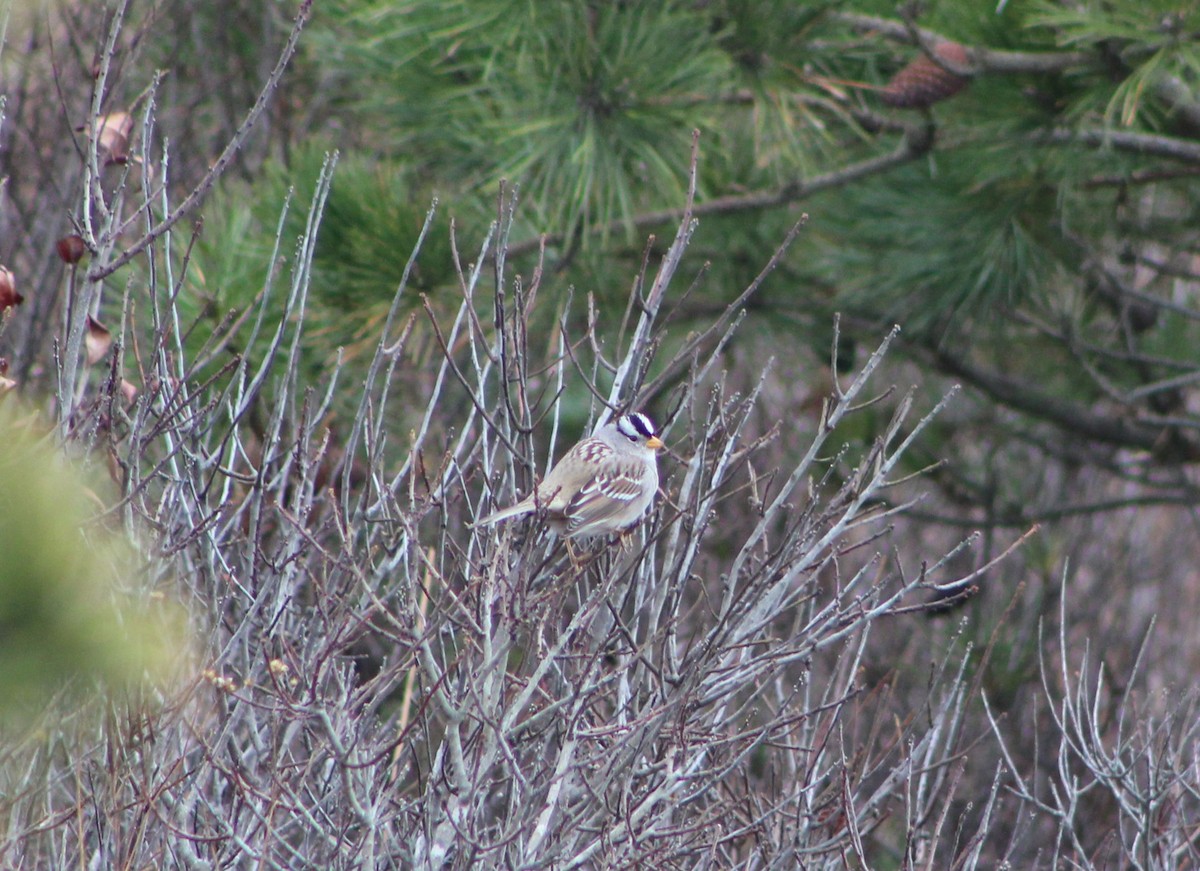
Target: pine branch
[(982, 60), (1173, 91), (917, 141), (1138, 143), (1072, 417), (1179, 96)]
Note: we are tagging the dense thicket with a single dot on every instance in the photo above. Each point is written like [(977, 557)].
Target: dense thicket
[(313, 285)]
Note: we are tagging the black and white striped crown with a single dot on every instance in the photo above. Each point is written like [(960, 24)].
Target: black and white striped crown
[(636, 427)]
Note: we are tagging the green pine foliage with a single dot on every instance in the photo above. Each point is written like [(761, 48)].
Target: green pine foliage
[(1141, 42), (369, 223), (588, 106), (996, 234), (958, 248)]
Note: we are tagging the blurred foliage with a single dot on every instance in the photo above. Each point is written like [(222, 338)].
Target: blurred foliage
[(74, 613)]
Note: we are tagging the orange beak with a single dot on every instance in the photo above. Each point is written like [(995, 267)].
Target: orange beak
[(654, 443)]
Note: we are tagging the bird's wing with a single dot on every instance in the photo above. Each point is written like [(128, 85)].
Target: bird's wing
[(554, 494), (608, 494)]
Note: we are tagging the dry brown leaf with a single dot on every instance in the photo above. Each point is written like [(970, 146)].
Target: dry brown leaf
[(115, 470), (129, 391), (8, 290), (113, 136), (98, 340), (71, 248)]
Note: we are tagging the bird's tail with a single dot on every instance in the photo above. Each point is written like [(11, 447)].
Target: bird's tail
[(505, 513)]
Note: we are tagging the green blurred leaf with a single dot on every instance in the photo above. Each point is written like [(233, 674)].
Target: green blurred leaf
[(72, 608)]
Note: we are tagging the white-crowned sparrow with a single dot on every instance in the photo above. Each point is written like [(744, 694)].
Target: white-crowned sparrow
[(604, 484)]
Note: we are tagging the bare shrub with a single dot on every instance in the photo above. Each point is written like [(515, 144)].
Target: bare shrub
[(656, 702), (745, 681)]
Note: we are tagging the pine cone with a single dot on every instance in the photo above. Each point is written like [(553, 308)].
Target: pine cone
[(923, 83)]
